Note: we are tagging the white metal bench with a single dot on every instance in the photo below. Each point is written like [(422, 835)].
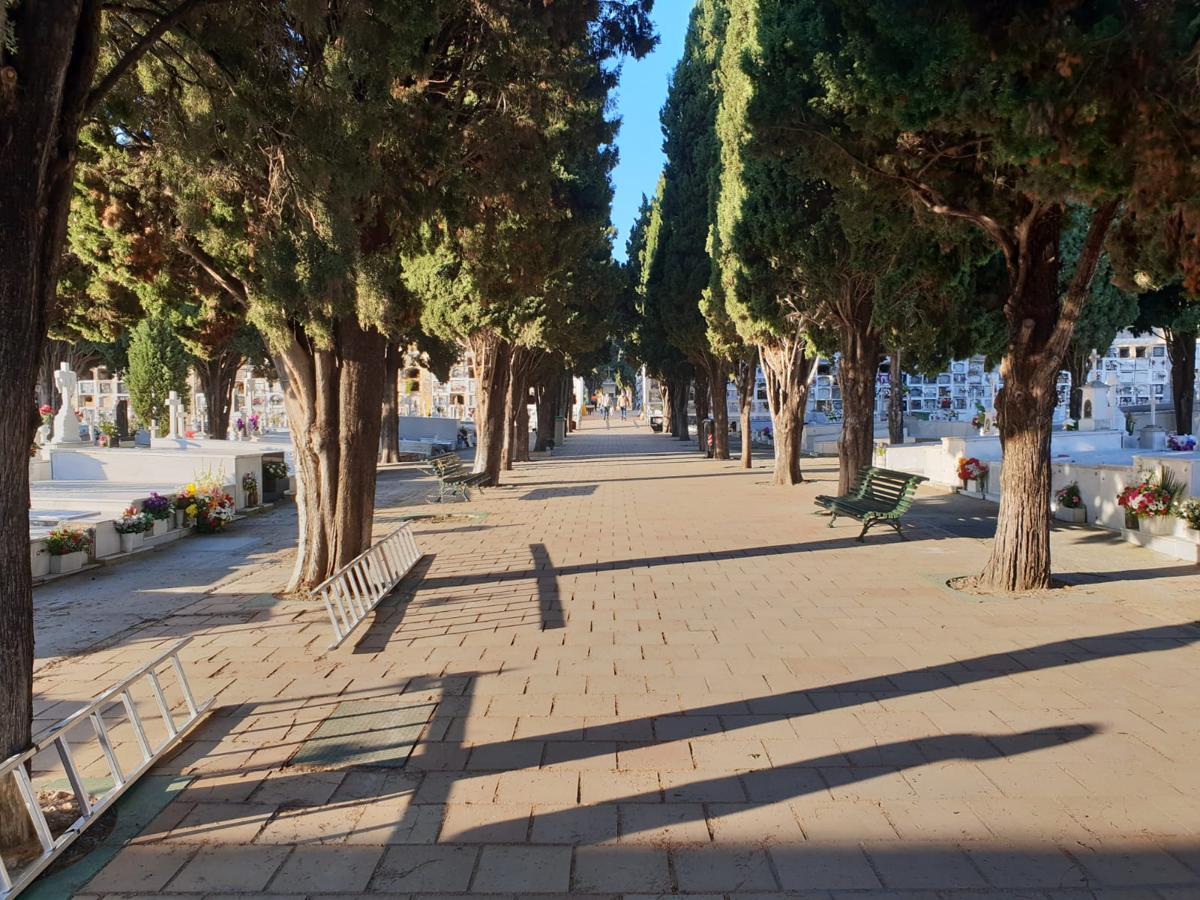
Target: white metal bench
[(354, 590), (57, 736)]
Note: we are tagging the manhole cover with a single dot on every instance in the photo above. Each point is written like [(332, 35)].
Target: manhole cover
[(379, 732)]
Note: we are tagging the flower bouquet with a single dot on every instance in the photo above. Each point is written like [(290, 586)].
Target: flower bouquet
[(1069, 504), (1148, 500), (1185, 443), (972, 469), (250, 487), (1189, 511), (184, 504), (209, 506)]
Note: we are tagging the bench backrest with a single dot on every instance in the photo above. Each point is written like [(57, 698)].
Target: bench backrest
[(447, 464), (895, 488)]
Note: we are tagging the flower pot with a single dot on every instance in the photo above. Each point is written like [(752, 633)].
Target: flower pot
[(1158, 525), (159, 527), (130, 541), (1076, 515), (67, 562), (1131, 521), (252, 497), (181, 519)]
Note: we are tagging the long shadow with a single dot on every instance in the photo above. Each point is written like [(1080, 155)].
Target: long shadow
[(389, 614), (553, 493), (672, 559), (858, 766), (549, 598), (910, 683), (1085, 578)]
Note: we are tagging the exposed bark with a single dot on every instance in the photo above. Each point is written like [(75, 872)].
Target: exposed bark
[(1181, 350), (217, 377), (703, 406), (1040, 329), (718, 388), (333, 397), (787, 368), (861, 348), (746, 376), (679, 399), (668, 408), (389, 417), (548, 398), (895, 408), (491, 369)]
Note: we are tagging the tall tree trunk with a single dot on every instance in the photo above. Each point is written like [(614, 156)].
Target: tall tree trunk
[(548, 395), (1181, 349), (47, 82), (491, 369), (389, 417), (521, 431), (43, 91), (861, 348), (787, 368), (333, 398), (747, 379), (681, 397), (1077, 363), (895, 409), (703, 406), (566, 408), (668, 407), (1040, 329), (217, 377), (718, 389)]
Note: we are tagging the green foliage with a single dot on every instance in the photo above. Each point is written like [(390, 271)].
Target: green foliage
[(1109, 309), (158, 364)]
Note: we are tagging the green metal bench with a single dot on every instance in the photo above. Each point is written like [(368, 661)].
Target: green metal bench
[(453, 478), (876, 497)]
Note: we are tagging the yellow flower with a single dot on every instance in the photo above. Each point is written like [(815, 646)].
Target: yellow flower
[(191, 510)]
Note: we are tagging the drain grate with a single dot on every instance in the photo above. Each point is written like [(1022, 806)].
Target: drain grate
[(380, 732)]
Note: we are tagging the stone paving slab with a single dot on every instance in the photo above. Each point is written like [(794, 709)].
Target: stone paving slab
[(645, 672)]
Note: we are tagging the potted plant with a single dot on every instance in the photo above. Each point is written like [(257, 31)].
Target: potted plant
[(275, 480), (974, 470), (1069, 505), (108, 434), (1147, 504), (250, 487), (158, 508), (1189, 513), (68, 547), (185, 505), (130, 527)]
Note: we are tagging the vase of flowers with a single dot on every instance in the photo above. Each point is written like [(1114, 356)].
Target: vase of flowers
[(974, 470), (250, 488), (108, 435), (1149, 501), (1183, 443), (68, 547), (131, 525), (184, 501), (275, 479), (158, 508), (1189, 513), (1068, 505), (212, 509)]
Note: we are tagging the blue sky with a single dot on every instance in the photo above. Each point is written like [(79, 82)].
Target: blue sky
[(640, 96)]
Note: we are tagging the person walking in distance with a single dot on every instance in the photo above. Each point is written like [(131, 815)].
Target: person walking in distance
[(623, 404), (606, 408)]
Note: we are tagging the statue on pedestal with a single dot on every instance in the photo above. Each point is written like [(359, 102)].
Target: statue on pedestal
[(66, 423)]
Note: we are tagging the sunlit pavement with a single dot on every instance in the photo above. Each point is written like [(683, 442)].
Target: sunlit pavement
[(646, 672)]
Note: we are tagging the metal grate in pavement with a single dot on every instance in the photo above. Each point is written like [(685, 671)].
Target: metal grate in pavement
[(377, 732)]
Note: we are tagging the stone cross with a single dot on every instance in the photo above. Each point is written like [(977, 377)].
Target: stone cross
[(66, 425), (1095, 365), (174, 414)]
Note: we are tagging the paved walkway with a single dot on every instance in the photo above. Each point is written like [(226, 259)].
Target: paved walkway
[(643, 672)]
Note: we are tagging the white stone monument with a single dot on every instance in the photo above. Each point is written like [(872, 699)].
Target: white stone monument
[(66, 423), (174, 414), (1095, 403)]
